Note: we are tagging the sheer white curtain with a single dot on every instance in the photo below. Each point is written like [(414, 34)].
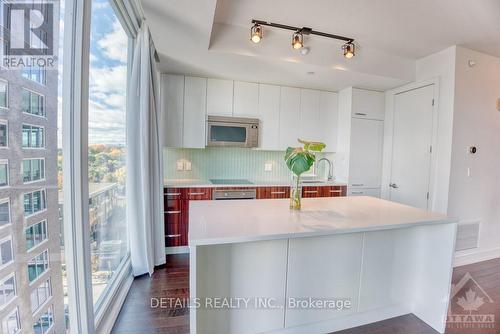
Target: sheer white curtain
[(144, 166)]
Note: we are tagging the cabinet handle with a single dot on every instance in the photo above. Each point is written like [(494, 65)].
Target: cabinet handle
[(173, 212), (311, 191), (173, 235), (196, 194), (360, 114), (278, 192), (357, 184), (336, 191), (173, 194)]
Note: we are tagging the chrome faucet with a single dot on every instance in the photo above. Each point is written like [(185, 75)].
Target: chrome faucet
[(330, 168)]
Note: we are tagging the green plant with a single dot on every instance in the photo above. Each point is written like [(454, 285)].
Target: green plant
[(299, 160)]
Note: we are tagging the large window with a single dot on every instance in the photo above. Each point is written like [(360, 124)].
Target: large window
[(36, 74), (40, 295), (34, 202), (36, 234), (4, 173), (12, 324), (7, 290), (33, 136), (4, 92), (44, 323), (33, 103), (107, 151), (6, 255), (33, 169), (38, 265), (4, 212), (3, 134)]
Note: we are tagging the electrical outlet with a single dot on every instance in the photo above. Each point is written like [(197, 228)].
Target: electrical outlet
[(187, 165), (180, 165), (268, 167)]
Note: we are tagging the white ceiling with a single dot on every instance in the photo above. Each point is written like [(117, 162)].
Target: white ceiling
[(211, 38)]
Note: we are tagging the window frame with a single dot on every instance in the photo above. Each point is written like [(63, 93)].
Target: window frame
[(35, 246), (41, 314), (6, 123), (5, 320), (46, 301), (31, 91), (6, 163), (29, 137), (8, 238), (44, 202), (45, 270), (7, 104), (2, 282), (31, 170), (2, 201), (28, 75)]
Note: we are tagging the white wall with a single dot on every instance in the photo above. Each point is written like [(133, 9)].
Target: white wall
[(477, 122), (440, 69)]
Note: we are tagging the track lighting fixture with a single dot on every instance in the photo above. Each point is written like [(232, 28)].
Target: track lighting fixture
[(349, 50), (297, 40), (298, 36), (256, 33)]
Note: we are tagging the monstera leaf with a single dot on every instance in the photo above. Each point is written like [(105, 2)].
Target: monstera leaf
[(300, 160)]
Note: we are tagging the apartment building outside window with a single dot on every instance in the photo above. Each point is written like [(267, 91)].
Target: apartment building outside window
[(36, 74), (36, 234), (4, 212), (33, 170), (6, 254), (12, 324), (33, 103), (4, 173), (4, 93), (7, 290), (3, 134), (33, 136), (38, 265), (40, 295), (44, 323), (34, 202)]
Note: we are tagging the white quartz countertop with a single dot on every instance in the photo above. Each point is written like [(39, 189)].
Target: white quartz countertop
[(195, 183), (221, 222)]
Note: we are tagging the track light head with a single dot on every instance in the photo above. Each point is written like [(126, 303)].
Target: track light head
[(256, 33), (349, 50), (297, 40)]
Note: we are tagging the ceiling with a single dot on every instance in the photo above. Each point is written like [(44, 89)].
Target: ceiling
[(211, 38)]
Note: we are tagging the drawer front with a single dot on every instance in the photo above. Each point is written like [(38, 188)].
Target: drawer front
[(333, 191), (273, 192), (175, 235), (197, 194), (310, 191), (374, 192)]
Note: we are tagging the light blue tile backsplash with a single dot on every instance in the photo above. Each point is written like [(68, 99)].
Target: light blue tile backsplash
[(227, 163)]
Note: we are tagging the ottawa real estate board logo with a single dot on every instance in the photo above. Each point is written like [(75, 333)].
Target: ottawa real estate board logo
[(470, 306), (28, 33)]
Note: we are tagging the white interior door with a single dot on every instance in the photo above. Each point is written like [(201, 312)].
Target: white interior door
[(411, 151)]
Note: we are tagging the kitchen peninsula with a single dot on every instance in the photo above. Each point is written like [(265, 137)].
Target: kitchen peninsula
[(382, 259)]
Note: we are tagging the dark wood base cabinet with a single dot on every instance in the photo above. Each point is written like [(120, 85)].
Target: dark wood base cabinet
[(176, 205)]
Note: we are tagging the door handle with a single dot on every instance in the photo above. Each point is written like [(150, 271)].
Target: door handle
[(393, 185)]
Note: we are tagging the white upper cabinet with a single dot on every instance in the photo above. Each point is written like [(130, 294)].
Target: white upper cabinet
[(219, 97), (368, 104), (310, 115), (289, 125), (328, 116), (172, 102), (365, 164), (195, 105), (269, 115), (246, 99)]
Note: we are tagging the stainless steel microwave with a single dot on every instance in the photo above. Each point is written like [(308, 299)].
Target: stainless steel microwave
[(232, 131)]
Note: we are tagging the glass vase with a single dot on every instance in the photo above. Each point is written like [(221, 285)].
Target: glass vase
[(295, 194)]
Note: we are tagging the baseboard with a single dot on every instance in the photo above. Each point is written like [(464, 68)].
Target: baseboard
[(177, 250), (465, 259)]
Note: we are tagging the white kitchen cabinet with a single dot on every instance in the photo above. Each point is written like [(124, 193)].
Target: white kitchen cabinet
[(269, 115), (289, 122), (219, 97), (309, 115), (368, 104), (172, 102), (246, 99), (374, 192), (328, 116), (195, 99), (365, 162)]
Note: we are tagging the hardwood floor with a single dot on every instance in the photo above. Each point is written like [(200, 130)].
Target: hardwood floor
[(142, 313)]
